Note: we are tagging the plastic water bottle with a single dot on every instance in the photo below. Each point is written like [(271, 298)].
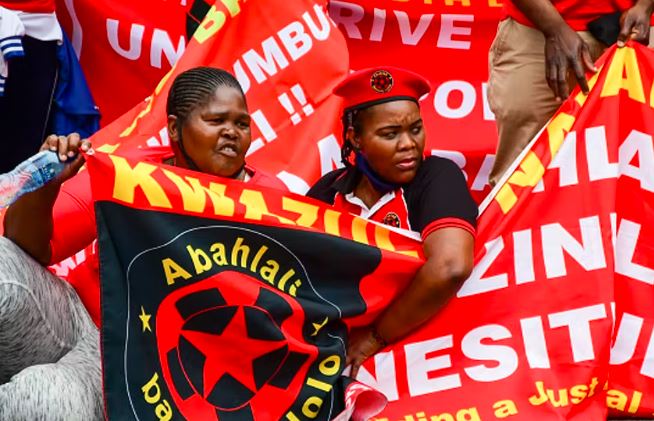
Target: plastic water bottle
[(29, 175)]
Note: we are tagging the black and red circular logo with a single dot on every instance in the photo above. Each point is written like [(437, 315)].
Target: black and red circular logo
[(381, 81), (392, 219), (225, 353)]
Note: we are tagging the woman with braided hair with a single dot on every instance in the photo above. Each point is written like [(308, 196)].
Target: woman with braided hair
[(49, 339), (392, 183)]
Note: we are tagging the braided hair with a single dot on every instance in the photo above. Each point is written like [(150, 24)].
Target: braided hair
[(194, 88), (350, 118)]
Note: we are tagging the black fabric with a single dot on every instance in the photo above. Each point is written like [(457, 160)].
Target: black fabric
[(25, 106), (606, 28), (438, 191)]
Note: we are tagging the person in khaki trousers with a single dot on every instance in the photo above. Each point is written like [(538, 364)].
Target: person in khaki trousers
[(541, 50)]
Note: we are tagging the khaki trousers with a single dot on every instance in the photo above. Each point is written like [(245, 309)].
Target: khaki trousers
[(518, 93)]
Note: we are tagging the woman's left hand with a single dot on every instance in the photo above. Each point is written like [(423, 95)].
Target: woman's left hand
[(363, 343)]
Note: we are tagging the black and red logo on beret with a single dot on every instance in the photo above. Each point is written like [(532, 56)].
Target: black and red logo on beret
[(381, 81)]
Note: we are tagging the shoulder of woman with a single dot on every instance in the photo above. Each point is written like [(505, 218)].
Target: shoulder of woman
[(438, 166), (323, 188)]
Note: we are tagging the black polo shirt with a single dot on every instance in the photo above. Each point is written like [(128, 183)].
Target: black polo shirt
[(437, 197)]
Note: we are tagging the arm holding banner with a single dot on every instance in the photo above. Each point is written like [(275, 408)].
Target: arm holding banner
[(29, 221), (449, 260)]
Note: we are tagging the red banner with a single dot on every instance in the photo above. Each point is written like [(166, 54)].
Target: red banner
[(130, 46), (531, 334), (226, 305), (563, 245)]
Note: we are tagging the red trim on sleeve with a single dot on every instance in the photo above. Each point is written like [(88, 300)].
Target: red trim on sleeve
[(447, 223)]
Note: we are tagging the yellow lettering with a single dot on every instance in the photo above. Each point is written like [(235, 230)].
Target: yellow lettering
[(541, 397), (173, 271), (504, 409), (557, 130), (330, 365), (563, 398), (107, 148), (219, 255), (285, 278), (194, 195), (292, 417), (257, 257), (616, 400), (201, 261), (256, 208), (494, 3), (592, 386), (149, 387), (311, 407), (163, 411), (331, 222), (128, 179), (624, 63), (292, 291), (383, 241), (269, 272), (578, 393), (239, 247), (128, 131), (463, 2), (320, 385), (529, 173), (148, 107), (635, 402), (308, 213), (581, 97), (215, 20)]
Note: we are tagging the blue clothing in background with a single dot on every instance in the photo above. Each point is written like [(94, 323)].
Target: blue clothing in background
[(73, 108)]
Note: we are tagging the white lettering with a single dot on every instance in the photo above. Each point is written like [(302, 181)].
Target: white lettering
[(419, 377)]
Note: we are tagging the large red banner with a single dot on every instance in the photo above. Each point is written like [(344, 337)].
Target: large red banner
[(554, 317), (226, 307), (564, 250), (130, 46)]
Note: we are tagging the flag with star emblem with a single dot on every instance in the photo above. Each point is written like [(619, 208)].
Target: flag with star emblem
[(225, 301)]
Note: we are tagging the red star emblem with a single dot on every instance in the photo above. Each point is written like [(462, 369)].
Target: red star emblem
[(232, 348)]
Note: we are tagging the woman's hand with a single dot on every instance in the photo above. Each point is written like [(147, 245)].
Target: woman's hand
[(28, 221), (635, 22), (68, 149), (363, 343)]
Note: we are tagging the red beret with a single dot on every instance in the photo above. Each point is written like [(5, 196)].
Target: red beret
[(376, 85)]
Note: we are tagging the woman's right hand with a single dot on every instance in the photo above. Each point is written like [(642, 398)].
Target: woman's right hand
[(68, 150)]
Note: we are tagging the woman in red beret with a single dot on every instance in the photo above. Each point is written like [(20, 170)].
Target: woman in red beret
[(389, 181)]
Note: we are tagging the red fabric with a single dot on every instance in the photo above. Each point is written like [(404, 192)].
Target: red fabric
[(377, 84), (263, 179), (32, 6), (75, 229), (577, 13), (448, 223)]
